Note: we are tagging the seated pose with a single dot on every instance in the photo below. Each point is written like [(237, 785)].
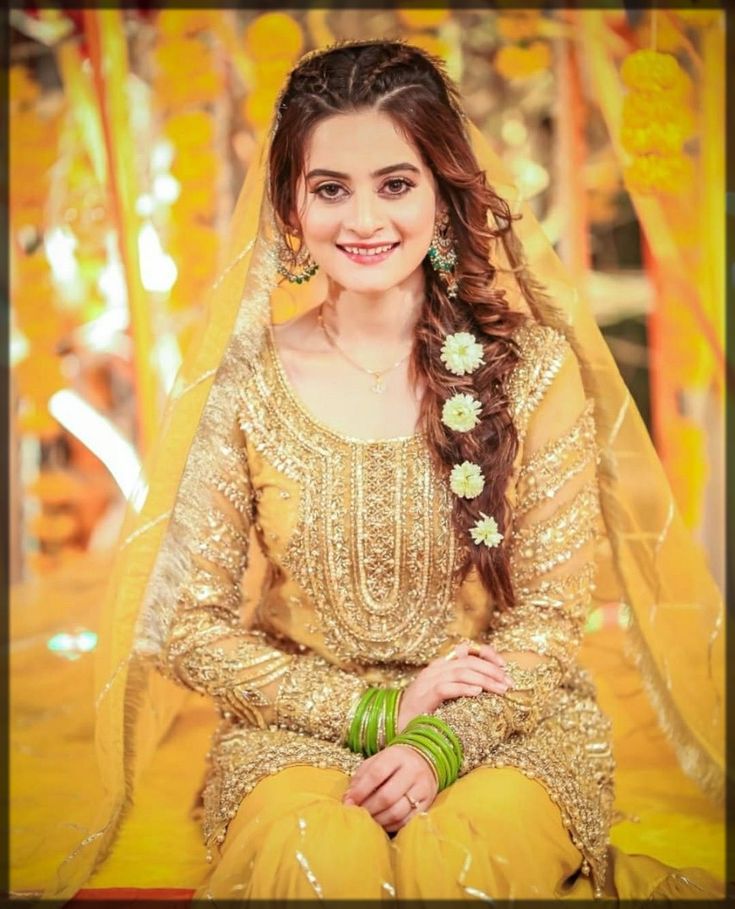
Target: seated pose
[(418, 455)]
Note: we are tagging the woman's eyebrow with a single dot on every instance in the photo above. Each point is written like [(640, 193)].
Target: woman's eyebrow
[(320, 172)]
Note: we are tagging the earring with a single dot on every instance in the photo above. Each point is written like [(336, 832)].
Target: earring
[(295, 265), (443, 255)]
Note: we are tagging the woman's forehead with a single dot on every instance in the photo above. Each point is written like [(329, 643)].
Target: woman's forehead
[(358, 143)]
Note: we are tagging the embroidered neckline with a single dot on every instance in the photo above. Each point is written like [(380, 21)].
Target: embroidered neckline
[(298, 404)]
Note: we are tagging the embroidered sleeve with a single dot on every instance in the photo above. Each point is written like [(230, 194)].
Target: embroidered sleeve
[(249, 675), (555, 518)]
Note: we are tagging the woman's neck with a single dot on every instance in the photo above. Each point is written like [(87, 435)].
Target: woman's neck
[(374, 321)]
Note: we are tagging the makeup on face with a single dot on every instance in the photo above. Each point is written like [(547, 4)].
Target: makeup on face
[(368, 202)]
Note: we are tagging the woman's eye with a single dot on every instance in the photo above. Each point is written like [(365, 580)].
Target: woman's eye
[(398, 186), (329, 190)]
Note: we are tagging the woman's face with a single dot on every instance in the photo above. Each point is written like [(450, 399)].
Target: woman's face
[(367, 202)]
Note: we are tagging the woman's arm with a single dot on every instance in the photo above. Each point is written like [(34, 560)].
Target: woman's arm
[(208, 648), (552, 562)]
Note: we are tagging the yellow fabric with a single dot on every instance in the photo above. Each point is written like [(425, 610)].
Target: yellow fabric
[(494, 834), (52, 757), (651, 563)]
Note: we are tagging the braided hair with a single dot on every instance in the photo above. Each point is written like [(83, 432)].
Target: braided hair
[(412, 88)]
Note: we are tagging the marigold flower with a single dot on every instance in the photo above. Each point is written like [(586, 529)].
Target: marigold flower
[(461, 353), (669, 175), (461, 412), (655, 138), (486, 531), (466, 480), (650, 70), (641, 109)]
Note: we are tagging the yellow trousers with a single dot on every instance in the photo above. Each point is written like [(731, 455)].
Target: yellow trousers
[(493, 834)]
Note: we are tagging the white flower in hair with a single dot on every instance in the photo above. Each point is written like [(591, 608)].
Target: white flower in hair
[(466, 480), (486, 531), (461, 412), (461, 353)]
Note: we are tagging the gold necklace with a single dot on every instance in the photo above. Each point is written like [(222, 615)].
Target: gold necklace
[(378, 386)]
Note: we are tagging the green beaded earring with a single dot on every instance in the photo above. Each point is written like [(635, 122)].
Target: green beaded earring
[(297, 266), (443, 255)]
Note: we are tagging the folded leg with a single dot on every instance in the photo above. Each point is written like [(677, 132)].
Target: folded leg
[(292, 838), (494, 834)]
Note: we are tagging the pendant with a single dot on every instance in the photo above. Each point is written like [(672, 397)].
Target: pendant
[(378, 387)]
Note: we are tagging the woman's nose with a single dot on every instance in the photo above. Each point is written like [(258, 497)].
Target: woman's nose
[(363, 216)]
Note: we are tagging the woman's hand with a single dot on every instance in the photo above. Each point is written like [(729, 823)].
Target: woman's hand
[(381, 782), (443, 679)]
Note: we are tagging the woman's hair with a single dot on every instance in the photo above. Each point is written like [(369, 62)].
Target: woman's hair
[(410, 86)]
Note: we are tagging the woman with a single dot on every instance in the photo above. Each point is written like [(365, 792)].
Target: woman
[(417, 455)]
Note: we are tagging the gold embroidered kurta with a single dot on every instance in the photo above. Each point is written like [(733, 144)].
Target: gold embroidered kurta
[(361, 589)]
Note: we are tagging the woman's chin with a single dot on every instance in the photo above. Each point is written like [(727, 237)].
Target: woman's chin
[(369, 284)]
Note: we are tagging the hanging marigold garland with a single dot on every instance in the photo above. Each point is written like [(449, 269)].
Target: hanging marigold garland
[(656, 122)]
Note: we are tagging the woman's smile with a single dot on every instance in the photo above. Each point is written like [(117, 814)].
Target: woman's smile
[(364, 254)]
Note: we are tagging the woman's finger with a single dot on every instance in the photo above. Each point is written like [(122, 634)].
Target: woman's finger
[(386, 796), (448, 690), (403, 809), (488, 683), (484, 651), (481, 667), (369, 776), (397, 815)]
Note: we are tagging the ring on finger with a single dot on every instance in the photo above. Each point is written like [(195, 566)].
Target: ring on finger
[(413, 802)]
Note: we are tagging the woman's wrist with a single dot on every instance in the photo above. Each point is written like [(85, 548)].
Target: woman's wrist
[(437, 743), (427, 759), (373, 720)]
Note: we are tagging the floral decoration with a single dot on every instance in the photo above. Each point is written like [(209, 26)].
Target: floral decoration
[(657, 119), (461, 412), (486, 531), (466, 480), (461, 353)]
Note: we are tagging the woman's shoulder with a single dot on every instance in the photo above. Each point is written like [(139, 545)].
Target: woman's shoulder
[(543, 350)]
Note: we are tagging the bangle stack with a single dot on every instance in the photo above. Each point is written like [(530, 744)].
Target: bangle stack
[(437, 743), (374, 721)]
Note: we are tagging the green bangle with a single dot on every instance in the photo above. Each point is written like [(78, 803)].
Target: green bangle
[(437, 748), (429, 760), (365, 719), (446, 730), (439, 742), (449, 748), (374, 720), (370, 742), (385, 718), (391, 716), (441, 733), (354, 735), (430, 751)]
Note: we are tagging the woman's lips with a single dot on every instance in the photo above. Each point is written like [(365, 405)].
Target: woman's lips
[(368, 255)]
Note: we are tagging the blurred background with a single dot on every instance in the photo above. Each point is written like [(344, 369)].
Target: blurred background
[(130, 135)]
